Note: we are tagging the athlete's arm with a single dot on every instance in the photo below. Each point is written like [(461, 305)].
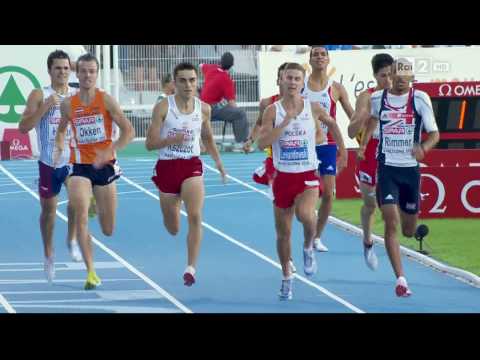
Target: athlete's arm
[(319, 135), (360, 115), (269, 133), (258, 124), (153, 140), (61, 131), (369, 129), (35, 109), (344, 101), (209, 142), (127, 132), (424, 108)]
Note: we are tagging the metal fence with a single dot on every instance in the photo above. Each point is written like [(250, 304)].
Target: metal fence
[(141, 68)]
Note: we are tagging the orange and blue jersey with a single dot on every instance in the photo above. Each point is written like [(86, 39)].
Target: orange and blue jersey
[(91, 128)]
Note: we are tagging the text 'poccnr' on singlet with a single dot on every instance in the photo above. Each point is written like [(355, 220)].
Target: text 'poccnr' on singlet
[(47, 128), (190, 125), (91, 128), (294, 150), (327, 102)]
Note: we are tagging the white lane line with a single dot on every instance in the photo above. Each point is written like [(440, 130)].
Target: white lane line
[(69, 266), (13, 192), (109, 251), (128, 192), (104, 294), (7, 305), (41, 281), (227, 194), (101, 296), (112, 308), (257, 253)]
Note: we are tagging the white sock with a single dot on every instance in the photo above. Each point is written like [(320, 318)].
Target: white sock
[(288, 277), (190, 269)]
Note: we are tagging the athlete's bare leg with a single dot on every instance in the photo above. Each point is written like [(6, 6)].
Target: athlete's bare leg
[(391, 217), (71, 232), (367, 211), (106, 199), (305, 213), (283, 226), (47, 223), (326, 205), (79, 193), (192, 194), (170, 205), (409, 223)]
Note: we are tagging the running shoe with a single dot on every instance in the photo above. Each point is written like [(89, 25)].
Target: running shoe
[(319, 246), (49, 267), (74, 250), (370, 257), (189, 276), (402, 289), (286, 290), (92, 281), (309, 262)]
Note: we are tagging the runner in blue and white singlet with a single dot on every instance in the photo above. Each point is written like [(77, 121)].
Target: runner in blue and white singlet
[(400, 113), (320, 88), (46, 130), (42, 113)]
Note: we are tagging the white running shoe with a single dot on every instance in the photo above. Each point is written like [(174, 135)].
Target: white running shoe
[(49, 267), (402, 289), (286, 290), (319, 246), (75, 252), (309, 262), (292, 267), (370, 257)]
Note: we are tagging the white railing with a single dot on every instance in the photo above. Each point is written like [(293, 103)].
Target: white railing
[(135, 77)]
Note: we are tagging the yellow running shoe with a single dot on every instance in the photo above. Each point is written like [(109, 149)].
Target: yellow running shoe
[(92, 209), (92, 281)]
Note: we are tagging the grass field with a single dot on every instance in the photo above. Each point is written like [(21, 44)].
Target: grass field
[(455, 242)]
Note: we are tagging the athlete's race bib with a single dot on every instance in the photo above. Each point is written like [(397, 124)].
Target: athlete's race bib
[(185, 148), (53, 128), (398, 135), (90, 129), (293, 150)]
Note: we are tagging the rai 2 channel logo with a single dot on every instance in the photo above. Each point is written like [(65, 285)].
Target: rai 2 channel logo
[(421, 66)]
